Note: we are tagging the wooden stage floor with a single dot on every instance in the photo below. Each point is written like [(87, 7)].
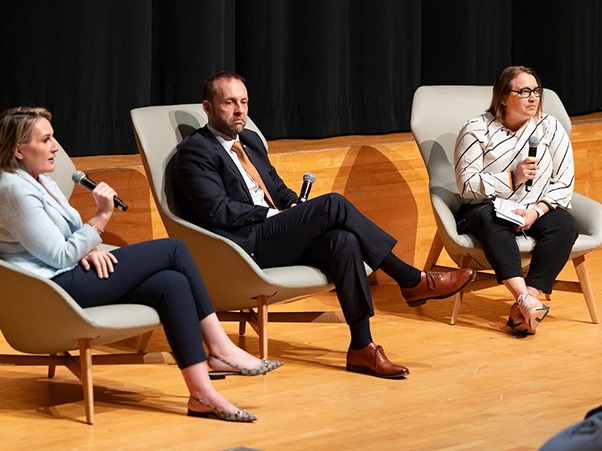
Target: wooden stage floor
[(473, 386)]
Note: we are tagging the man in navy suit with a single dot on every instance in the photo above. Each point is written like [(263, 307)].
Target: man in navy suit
[(215, 190)]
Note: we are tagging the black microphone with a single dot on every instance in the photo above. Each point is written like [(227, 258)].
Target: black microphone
[(533, 143), (80, 178), (308, 180)]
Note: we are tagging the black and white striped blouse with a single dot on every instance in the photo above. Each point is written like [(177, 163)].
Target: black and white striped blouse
[(486, 153)]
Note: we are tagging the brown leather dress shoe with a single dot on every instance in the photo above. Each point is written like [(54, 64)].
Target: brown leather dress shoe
[(372, 360), (438, 285)]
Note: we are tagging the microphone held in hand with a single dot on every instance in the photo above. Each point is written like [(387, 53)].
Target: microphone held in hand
[(308, 180), (533, 143), (80, 178)]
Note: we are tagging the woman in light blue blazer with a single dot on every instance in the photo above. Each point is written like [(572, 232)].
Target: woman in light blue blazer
[(42, 233)]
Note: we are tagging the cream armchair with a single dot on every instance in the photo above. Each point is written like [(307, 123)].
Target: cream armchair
[(39, 319), (438, 113), (239, 289)]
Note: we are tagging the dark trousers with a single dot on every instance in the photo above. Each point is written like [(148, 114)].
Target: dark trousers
[(555, 233), (160, 274), (327, 232)]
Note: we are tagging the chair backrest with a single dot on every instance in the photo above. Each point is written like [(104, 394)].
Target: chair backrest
[(158, 130), (438, 114), (64, 169)]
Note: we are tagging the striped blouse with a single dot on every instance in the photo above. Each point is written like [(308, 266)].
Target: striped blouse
[(486, 153)]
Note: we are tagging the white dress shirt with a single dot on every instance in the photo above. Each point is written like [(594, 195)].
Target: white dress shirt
[(257, 193)]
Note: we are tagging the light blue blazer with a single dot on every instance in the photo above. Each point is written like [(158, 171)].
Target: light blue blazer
[(39, 230)]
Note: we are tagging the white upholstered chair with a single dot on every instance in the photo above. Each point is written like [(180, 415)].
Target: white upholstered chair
[(438, 114), (236, 284), (38, 318)]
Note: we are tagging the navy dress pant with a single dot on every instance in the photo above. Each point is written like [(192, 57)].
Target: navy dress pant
[(161, 274), (329, 233)]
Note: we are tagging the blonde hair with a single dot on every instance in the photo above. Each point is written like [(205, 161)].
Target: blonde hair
[(16, 127)]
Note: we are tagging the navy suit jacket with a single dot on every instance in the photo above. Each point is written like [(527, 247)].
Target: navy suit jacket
[(211, 192)]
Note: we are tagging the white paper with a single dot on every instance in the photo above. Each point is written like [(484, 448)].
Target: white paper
[(503, 209)]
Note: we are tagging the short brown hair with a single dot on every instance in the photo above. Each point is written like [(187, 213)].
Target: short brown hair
[(503, 86), (209, 85), (16, 127)]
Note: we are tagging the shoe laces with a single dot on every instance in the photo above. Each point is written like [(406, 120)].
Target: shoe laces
[(378, 351)]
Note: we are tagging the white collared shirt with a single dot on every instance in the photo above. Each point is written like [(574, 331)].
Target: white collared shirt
[(257, 193)]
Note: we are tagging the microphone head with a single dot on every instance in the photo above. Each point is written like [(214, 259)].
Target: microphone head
[(533, 141), (77, 177), (309, 177)]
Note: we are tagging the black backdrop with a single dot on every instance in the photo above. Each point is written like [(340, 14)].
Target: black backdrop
[(314, 68)]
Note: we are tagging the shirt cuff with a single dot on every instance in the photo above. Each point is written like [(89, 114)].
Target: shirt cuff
[(272, 212)]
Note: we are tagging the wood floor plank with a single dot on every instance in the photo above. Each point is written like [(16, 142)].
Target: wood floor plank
[(473, 386)]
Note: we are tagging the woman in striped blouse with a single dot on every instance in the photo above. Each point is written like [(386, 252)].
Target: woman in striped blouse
[(492, 161)]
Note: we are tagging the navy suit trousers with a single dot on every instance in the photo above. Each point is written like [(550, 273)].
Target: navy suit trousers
[(329, 233)]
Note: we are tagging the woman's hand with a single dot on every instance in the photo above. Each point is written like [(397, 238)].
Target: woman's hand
[(527, 170), (530, 216), (102, 261), (103, 196)]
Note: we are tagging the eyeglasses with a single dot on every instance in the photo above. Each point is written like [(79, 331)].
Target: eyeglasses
[(525, 93)]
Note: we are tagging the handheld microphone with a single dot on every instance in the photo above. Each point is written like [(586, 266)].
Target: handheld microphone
[(533, 143), (80, 178), (308, 180)]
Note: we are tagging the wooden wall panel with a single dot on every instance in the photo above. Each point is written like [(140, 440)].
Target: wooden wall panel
[(587, 148), (384, 176), (385, 181)]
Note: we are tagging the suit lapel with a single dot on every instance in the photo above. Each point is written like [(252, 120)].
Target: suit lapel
[(50, 196), (227, 158)]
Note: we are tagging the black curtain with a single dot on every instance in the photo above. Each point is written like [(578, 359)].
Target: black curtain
[(321, 68), (465, 42), (314, 68)]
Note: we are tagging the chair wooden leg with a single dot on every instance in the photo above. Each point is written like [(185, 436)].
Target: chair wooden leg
[(262, 319), (85, 360), (464, 263), (51, 369), (457, 305), (586, 287), (434, 252), (144, 340), (242, 325)]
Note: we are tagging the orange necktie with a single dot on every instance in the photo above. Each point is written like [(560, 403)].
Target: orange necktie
[(251, 170)]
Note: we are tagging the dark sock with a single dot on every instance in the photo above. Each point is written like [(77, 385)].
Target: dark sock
[(360, 334), (405, 275)]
